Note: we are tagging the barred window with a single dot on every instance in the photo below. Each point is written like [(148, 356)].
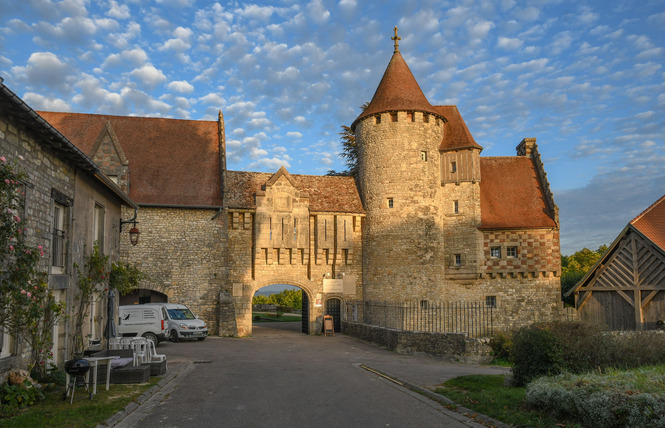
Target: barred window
[(58, 245), (490, 301)]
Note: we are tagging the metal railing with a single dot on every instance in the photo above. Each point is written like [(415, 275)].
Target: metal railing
[(475, 319)]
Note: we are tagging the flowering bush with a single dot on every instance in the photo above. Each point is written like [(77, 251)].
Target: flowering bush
[(27, 307)]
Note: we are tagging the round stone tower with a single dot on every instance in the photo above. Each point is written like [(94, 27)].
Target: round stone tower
[(398, 137)]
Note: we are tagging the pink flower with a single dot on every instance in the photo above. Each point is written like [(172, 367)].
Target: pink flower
[(29, 294), (39, 246), (7, 181), (22, 291), (3, 159), (17, 218), (11, 248)]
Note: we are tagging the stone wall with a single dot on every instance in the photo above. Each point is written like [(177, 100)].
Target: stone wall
[(183, 252)]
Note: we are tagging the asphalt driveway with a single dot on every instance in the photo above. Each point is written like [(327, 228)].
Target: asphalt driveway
[(280, 377)]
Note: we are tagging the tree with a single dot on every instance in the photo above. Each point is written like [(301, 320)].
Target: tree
[(573, 269), (349, 151), (28, 309)]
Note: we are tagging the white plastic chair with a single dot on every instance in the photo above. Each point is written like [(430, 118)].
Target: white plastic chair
[(140, 347)]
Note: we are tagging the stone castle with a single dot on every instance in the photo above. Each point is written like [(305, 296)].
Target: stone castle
[(427, 220)]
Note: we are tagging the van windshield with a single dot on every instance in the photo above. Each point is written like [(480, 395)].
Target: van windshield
[(181, 314)]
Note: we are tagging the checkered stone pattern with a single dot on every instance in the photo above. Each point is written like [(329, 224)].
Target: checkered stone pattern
[(537, 251)]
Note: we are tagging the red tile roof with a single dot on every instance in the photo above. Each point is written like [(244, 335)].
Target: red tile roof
[(326, 193), (511, 195), (455, 134), (171, 162), (398, 90), (651, 222)]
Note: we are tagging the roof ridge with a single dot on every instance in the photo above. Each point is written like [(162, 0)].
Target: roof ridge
[(649, 208), (120, 116)]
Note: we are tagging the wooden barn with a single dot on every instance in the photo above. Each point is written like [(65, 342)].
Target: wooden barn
[(626, 288)]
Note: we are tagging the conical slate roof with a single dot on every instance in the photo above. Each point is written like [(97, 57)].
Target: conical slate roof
[(398, 90)]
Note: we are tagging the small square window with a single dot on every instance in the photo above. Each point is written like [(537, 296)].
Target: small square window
[(423, 156), (458, 260), (495, 252), (456, 207), (453, 167), (390, 203), (511, 251), (490, 301)]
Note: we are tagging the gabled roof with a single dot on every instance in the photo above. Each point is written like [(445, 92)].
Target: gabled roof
[(13, 106), (511, 195), (326, 193), (171, 161), (651, 222), (398, 90), (455, 134)]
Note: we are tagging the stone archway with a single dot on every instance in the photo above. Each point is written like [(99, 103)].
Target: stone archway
[(143, 295), (309, 313)]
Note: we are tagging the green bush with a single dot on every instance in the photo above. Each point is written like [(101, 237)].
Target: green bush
[(14, 396), (584, 347), (535, 352), (501, 344), (617, 399)]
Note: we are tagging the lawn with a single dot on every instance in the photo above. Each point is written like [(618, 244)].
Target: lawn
[(56, 412), (271, 317), (487, 394)]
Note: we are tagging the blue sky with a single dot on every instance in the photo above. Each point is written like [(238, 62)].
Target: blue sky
[(585, 78)]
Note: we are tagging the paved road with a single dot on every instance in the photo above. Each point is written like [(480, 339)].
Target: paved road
[(279, 377)]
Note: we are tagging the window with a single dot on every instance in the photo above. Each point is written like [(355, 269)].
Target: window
[(457, 260), (423, 156), (377, 119), (390, 203), (345, 230), (325, 230), (295, 234), (393, 117), (98, 227), (4, 344), (425, 118), (410, 117), (495, 252), (456, 207), (58, 245), (490, 301), (453, 167), (511, 252), (270, 230)]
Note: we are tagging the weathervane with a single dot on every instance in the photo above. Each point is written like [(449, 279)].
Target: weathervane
[(396, 39)]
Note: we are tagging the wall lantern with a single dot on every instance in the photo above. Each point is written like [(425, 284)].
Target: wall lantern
[(133, 232)]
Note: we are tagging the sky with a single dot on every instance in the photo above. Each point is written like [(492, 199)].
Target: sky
[(585, 78)]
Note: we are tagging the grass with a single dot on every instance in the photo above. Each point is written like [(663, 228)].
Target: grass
[(271, 317), (487, 394), (56, 412)]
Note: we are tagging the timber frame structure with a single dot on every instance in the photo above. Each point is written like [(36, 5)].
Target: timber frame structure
[(626, 288)]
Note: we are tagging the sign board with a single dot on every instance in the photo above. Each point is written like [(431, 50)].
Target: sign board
[(318, 300), (328, 325), (333, 285)]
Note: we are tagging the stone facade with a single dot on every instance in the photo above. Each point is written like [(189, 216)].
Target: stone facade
[(60, 183)]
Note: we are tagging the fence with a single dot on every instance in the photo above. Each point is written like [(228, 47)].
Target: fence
[(475, 319)]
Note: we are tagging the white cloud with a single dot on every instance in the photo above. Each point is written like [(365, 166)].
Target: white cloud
[(294, 134), (176, 3), (317, 11), (348, 4), (181, 86), (180, 43), (148, 75), (118, 11), (213, 99), (270, 164), (40, 102), (44, 69), (509, 43), (256, 12), (133, 58)]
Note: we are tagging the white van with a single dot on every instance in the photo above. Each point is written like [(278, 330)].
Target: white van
[(142, 320), (181, 322)]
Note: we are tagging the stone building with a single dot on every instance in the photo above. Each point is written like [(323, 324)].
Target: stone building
[(69, 204), (428, 219)]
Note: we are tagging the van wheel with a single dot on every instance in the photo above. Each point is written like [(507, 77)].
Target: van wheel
[(152, 337), (173, 336)]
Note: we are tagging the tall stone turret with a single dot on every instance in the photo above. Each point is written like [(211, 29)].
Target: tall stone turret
[(398, 137)]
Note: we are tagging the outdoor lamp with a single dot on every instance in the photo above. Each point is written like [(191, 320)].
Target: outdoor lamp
[(134, 235)]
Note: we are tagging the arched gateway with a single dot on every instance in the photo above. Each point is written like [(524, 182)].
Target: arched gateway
[(288, 238)]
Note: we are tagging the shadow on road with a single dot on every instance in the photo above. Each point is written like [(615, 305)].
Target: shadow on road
[(276, 328)]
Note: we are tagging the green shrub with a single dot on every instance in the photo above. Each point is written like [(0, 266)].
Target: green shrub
[(535, 352), (636, 349), (16, 396), (634, 398), (501, 344), (584, 346)]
